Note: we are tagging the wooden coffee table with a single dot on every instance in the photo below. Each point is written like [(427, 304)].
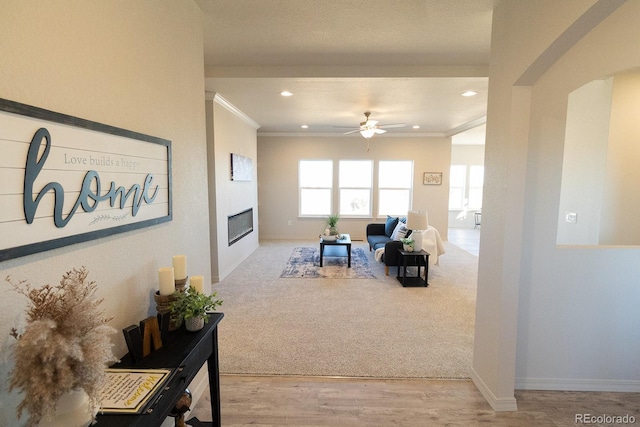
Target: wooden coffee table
[(336, 248)]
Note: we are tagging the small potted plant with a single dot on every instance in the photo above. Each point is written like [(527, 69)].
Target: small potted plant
[(331, 223), (194, 306), (407, 244)]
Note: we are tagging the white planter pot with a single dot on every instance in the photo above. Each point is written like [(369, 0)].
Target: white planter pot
[(72, 410), (194, 323)]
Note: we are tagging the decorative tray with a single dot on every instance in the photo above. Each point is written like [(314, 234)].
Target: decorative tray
[(329, 238)]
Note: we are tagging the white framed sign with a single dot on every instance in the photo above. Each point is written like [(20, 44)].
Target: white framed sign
[(65, 180)]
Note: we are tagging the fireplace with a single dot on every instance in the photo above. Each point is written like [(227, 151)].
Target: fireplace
[(240, 225)]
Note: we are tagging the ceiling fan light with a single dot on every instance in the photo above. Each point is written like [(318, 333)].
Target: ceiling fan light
[(367, 133)]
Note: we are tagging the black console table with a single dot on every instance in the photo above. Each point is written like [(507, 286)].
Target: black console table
[(187, 351)]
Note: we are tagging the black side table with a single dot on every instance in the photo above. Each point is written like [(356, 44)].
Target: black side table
[(413, 259)]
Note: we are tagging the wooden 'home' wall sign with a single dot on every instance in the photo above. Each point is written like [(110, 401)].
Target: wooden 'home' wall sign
[(65, 180)]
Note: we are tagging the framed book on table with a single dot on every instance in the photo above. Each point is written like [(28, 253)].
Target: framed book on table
[(132, 391)]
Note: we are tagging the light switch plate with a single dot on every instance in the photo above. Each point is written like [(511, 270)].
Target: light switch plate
[(571, 217)]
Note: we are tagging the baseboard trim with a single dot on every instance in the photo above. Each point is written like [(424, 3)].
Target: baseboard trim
[(566, 384), (229, 269), (290, 238), (497, 404)]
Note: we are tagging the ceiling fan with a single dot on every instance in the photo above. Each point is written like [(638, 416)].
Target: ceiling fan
[(369, 127)]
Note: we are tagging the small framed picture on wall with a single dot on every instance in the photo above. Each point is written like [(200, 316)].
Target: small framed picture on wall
[(432, 178)]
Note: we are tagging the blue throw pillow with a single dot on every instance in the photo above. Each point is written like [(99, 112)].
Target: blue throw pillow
[(390, 225)]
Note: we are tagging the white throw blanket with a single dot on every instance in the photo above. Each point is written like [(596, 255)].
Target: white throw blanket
[(431, 242)]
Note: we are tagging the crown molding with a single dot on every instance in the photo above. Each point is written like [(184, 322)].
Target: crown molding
[(354, 135), (218, 99), (347, 71), (469, 125)]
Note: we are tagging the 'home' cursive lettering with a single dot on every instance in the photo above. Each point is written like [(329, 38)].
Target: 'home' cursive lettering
[(88, 199)]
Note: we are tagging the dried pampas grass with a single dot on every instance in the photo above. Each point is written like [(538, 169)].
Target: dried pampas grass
[(64, 347)]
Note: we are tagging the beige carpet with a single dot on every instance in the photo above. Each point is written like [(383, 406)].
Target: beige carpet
[(344, 327)]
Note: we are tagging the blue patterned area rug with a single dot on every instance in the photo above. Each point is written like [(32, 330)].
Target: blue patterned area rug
[(305, 262)]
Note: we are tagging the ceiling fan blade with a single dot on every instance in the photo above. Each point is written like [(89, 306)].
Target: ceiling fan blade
[(393, 125), (351, 131), (378, 130), (371, 123), (346, 127)]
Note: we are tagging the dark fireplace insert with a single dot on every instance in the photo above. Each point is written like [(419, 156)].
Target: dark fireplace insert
[(240, 225)]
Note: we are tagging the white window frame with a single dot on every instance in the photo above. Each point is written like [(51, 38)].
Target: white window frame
[(466, 201), (461, 202), (342, 186), (302, 188), (475, 187)]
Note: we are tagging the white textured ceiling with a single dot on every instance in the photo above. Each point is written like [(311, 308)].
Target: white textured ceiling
[(405, 61)]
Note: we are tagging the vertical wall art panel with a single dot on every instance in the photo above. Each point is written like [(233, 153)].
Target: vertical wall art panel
[(241, 168), (65, 180)]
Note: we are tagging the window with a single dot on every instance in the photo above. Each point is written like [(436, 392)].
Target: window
[(394, 187), (457, 181), (315, 183), (476, 181), (355, 180), (355, 188), (465, 191)]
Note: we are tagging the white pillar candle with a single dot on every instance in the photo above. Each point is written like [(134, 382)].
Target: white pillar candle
[(167, 281), (197, 283), (180, 266)]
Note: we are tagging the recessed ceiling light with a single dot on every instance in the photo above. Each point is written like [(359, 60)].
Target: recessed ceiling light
[(304, 126), (286, 93), (416, 127), (470, 93)]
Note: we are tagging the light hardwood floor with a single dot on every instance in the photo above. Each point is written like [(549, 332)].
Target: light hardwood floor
[(465, 238), (319, 401)]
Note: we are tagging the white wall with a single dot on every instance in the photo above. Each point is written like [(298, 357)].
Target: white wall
[(467, 154), (278, 177), (134, 65), (578, 306), (584, 162), (619, 223), (549, 317), (600, 166), (230, 132)]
